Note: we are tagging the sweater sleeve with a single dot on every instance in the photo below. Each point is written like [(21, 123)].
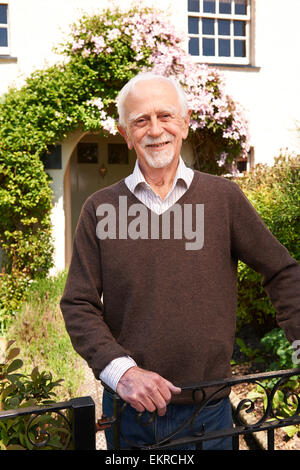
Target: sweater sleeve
[(255, 245), (81, 303)]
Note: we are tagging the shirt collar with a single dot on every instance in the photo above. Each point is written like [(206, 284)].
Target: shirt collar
[(137, 178)]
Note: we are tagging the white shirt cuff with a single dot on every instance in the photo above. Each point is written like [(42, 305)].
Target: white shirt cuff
[(112, 373)]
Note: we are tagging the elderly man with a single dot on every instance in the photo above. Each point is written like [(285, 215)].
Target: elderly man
[(168, 312)]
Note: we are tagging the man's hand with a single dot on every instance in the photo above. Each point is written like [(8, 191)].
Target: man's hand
[(145, 390)]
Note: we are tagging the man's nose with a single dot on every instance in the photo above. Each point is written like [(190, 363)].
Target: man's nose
[(155, 129)]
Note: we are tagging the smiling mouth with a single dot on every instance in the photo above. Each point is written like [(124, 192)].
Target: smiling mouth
[(158, 145)]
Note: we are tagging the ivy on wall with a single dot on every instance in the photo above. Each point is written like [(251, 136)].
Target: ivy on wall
[(100, 55)]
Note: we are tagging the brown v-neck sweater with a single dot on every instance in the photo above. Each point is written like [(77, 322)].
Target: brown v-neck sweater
[(172, 309)]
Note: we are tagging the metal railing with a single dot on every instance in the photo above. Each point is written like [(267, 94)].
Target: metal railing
[(270, 418), (72, 424), (61, 426)]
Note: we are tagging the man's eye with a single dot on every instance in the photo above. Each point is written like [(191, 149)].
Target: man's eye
[(165, 116), (140, 121)]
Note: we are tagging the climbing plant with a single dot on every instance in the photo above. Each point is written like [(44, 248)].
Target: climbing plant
[(118, 45), (101, 53)]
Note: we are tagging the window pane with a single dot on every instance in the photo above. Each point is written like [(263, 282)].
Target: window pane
[(224, 47), (3, 37), (209, 6), (3, 14), (240, 7), (193, 25), (239, 28), (224, 27), (193, 5), (239, 48), (194, 46), (208, 46), (208, 26), (225, 6)]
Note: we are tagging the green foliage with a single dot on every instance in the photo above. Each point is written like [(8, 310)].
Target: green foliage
[(250, 353), (284, 406), (41, 335), (121, 63), (277, 353), (18, 390), (275, 193), (44, 345), (276, 344)]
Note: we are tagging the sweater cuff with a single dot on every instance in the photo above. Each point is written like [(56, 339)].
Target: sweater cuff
[(112, 373)]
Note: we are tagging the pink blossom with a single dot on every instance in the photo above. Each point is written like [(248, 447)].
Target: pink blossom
[(222, 160), (99, 43), (96, 102), (204, 85), (85, 53), (110, 125), (78, 45), (113, 34)]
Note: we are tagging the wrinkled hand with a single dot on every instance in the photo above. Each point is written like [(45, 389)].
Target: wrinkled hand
[(145, 390)]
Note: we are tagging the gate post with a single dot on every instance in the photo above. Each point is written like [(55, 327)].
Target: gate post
[(84, 431)]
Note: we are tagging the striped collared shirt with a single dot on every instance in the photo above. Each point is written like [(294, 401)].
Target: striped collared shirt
[(137, 184)]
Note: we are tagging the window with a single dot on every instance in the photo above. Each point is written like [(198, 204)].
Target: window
[(4, 28), (219, 30), (246, 163)]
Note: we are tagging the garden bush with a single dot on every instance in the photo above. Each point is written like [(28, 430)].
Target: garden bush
[(18, 390), (275, 193)]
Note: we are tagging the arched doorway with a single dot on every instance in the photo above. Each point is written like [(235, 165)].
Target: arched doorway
[(96, 162)]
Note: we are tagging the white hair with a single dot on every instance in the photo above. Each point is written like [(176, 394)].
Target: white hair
[(144, 76)]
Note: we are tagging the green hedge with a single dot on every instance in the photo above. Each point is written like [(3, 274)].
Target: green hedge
[(275, 193)]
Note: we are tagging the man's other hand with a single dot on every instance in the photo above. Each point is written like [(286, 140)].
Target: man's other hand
[(146, 390)]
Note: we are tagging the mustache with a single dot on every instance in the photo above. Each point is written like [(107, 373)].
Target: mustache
[(161, 140)]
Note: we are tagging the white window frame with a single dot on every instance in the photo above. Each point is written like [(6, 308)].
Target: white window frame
[(5, 50), (218, 16)]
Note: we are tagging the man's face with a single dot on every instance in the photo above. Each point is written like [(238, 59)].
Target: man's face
[(155, 126)]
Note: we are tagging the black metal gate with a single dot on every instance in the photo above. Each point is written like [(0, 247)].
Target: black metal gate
[(72, 424), (270, 418)]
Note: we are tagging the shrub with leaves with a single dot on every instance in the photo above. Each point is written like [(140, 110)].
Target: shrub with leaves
[(18, 390), (275, 193)]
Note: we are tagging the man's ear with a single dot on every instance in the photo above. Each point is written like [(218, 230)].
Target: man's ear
[(125, 136), (186, 124)]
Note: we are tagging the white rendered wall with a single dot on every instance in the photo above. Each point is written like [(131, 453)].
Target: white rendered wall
[(271, 95), (36, 26)]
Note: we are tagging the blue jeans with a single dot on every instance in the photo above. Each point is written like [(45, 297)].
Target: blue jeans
[(135, 432)]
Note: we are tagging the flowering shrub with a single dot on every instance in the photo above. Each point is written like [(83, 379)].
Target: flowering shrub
[(102, 54), (118, 45)]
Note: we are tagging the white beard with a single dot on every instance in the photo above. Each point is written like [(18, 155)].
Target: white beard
[(161, 161), (163, 157)]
